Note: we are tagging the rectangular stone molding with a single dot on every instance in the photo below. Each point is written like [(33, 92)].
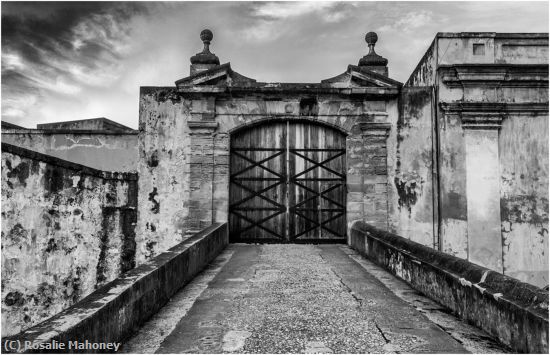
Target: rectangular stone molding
[(483, 196)]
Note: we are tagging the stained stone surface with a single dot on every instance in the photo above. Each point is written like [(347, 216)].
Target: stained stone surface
[(307, 299)]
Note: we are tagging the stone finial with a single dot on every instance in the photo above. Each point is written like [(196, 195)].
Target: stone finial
[(372, 59), (205, 57)]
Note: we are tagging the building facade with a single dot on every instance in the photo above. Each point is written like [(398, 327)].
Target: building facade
[(456, 158), (490, 127)]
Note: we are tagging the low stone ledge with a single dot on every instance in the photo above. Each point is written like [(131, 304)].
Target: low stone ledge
[(115, 311), (22, 130), (514, 312)]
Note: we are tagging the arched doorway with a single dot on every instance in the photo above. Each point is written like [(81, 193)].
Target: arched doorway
[(288, 184)]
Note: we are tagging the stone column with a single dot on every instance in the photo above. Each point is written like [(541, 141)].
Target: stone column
[(367, 177), (483, 189)]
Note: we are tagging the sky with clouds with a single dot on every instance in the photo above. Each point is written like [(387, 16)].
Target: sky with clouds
[(67, 61)]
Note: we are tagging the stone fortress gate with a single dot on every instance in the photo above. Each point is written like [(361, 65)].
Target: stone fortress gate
[(281, 162)]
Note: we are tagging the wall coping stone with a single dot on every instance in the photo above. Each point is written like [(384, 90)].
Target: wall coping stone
[(524, 300), (66, 131), (31, 154), (524, 294)]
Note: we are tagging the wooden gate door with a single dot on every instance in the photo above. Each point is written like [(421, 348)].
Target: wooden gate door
[(287, 184)]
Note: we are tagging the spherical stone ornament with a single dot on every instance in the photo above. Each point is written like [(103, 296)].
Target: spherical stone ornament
[(371, 38), (206, 35), (205, 57)]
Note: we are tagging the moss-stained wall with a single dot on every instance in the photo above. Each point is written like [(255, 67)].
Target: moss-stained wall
[(164, 190), (523, 149), (493, 135), (411, 211), (452, 186), (490, 150), (66, 230), (103, 151)]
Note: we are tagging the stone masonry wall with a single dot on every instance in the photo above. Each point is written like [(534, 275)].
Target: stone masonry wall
[(66, 230)]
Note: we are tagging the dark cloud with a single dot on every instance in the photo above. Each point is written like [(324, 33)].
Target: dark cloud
[(41, 40), (38, 29)]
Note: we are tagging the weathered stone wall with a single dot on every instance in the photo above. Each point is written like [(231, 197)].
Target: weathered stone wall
[(523, 158), (500, 48), (163, 166), (493, 135), (490, 148), (411, 209), (451, 157), (114, 312), (425, 72), (104, 151), (66, 230)]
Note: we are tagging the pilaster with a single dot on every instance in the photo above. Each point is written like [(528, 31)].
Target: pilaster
[(202, 163), (483, 188), (368, 173), (481, 123)]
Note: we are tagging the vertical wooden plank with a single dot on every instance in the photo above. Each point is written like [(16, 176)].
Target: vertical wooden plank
[(292, 136), (327, 143)]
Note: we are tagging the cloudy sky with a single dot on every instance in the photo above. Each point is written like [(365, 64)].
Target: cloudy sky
[(66, 61)]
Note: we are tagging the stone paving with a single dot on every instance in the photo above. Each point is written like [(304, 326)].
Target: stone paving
[(302, 299)]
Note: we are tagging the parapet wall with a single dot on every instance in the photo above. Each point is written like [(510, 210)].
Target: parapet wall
[(514, 312), (103, 150), (112, 313), (67, 229)]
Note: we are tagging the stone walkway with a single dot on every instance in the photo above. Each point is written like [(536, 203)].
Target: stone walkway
[(302, 299)]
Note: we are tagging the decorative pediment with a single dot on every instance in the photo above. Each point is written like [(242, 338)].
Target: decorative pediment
[(356, 76), (221, 76)]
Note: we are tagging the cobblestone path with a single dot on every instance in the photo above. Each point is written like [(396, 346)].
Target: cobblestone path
[(302, 299)]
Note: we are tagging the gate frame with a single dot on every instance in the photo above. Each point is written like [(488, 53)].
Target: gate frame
[(345, 130), (366, 200)]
